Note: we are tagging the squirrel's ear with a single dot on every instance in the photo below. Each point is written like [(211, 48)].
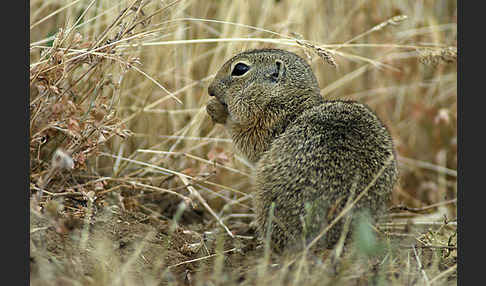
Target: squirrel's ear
[(277, 74)]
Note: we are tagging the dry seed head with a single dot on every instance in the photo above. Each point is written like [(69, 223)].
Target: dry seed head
[(397, 19), (325, 54), (394, 21), (432, 57), (449, 54), (297, 35)]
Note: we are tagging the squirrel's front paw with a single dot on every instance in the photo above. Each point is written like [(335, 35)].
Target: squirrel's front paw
[(217, 111)]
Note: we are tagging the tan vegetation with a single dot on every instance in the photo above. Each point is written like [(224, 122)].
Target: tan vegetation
[(131, 183)]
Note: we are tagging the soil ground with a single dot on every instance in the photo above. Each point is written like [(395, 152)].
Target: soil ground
[(114, 245)]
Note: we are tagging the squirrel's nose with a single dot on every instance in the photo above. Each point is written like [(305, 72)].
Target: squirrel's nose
[(214, 91)]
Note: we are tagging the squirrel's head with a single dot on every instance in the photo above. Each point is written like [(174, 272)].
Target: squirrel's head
[(258, 82)]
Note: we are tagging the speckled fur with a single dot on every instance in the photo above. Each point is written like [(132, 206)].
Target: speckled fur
[(307, 151)]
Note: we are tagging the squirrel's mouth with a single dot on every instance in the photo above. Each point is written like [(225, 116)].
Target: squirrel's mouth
[(224, 105), (213, 94)]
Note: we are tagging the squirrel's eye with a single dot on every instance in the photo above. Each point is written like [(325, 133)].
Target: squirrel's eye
[(240, 69)]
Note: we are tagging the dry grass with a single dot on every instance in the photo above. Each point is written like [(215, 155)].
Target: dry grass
[(118, 125)]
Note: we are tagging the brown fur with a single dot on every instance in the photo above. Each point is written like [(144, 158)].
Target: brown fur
[(311, 155)]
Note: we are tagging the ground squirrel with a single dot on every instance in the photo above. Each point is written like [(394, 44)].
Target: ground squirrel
[(311, 155)]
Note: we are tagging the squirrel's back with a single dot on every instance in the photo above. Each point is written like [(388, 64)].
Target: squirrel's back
[(327, 156)]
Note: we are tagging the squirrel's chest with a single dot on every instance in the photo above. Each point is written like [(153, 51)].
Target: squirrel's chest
[(250, 141)]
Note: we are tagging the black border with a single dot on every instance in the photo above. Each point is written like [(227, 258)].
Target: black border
[(25, 241), (22, 259), (460, 163)]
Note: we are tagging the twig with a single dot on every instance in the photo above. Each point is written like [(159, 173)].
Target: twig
[(196, 194), (422, 209), (427, 282), (429, 246), (214, 163), (200, 258), (164, 170), (157, 83), (399, 234), (192, 138), (392, 21), (442, 274), (427, 165), (53, 13), (157, 102), (418, 223), (186, 199), (55, 194), (37, 229), (168, 171)]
